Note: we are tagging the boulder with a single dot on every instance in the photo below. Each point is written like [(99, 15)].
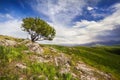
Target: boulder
[(35, 47), (62, 60)]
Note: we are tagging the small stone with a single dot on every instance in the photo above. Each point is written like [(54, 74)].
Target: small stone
[(74, 75), (53, 49), (21, 66), (21, 78), (64, 70), (26, 51), (41, 59), (56, 62)]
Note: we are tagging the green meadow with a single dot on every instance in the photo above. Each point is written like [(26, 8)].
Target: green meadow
[(105, 58)]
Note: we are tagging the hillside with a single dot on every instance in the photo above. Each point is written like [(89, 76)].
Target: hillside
[(21, 59)]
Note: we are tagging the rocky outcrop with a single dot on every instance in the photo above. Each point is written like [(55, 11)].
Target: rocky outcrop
[(61, 60), (78, 70), (8, 43), (84, 72), (35, 47), (88, 73)]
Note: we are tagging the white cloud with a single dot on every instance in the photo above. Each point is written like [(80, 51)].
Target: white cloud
[(89, 8), (66, 35), (61, 15), (63, 12), (100, 28), (12, 28), (60, 12), (7, 16)]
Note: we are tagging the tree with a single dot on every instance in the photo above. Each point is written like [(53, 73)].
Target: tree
[(38, 29)]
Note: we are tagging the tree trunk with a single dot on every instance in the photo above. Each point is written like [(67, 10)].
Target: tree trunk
[(32, 38)]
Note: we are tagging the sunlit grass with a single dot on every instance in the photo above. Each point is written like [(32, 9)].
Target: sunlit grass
[(9, 56), (106, 59)]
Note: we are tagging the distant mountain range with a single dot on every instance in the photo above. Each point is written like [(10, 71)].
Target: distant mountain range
[(108, 43), (98, 43)]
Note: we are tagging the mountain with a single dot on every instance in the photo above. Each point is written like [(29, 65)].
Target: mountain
[(21, 59), (103, 43)]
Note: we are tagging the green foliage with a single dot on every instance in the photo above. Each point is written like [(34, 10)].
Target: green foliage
[(8, 54), (103, 58), (10, 77), (43, 69), (38, 29), (67, 76)]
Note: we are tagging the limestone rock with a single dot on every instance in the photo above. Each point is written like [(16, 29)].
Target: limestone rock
[(61, 60), (35, 47), (88, 73), (64, 70), (41, 59), (8, 43), (21, 66)]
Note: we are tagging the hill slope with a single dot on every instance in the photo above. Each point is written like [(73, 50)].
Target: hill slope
[(21, 59)]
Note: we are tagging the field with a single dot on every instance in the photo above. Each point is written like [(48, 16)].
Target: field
[(17, 62), (105, 58)]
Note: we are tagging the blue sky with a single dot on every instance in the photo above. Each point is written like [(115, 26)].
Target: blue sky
[(76, 21)]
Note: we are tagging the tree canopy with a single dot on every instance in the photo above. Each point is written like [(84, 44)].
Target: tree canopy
[(38, 29)]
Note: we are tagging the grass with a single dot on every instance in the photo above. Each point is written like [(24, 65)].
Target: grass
[(10, 38), (9, 56), (106, 59), (103, 58)]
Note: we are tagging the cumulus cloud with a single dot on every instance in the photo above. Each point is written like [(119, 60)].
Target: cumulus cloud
[(61, 14), (91, 31), (61, 11), (104, 30), (11, 27)]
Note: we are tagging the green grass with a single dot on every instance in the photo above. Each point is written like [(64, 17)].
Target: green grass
[(103, 58), (9, 56), (10, 38)]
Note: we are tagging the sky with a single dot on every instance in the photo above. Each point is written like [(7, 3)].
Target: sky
[(75, 21)]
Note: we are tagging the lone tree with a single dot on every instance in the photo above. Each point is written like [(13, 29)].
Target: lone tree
[(38, 29)]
